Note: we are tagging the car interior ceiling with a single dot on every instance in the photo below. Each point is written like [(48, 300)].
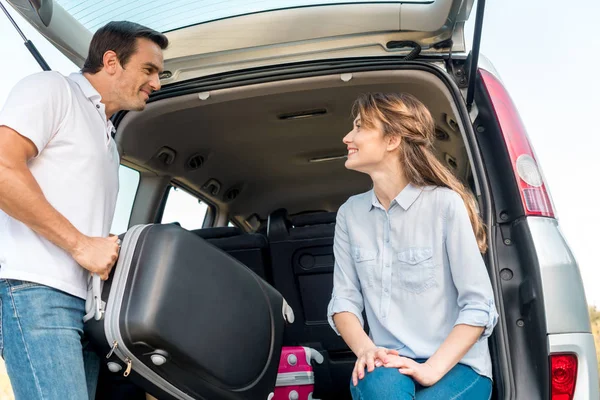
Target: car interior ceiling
[(243, 140), (265, 146)]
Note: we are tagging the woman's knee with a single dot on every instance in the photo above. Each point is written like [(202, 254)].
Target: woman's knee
[(383, 384), (461, 383)]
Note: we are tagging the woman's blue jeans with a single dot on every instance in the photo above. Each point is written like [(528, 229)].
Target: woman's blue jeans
[(389, 384)]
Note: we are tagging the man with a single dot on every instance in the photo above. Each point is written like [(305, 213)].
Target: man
[(58, 189)]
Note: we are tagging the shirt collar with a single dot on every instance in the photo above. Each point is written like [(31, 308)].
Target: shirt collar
[(86, 87), (91, 93), (405, 198)]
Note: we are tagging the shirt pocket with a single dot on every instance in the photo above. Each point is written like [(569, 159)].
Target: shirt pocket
[(365, 261), (415, 269)]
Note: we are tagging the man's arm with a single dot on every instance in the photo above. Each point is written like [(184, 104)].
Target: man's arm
[(21, 197)]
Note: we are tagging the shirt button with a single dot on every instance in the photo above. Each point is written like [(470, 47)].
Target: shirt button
[(98, 106), (385, 290)]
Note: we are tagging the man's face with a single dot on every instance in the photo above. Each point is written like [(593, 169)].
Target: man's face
[(140, 76)]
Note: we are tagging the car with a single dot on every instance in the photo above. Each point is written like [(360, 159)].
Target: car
[(255, 100)]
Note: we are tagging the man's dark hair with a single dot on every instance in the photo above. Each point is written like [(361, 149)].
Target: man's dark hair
[(120, 37)]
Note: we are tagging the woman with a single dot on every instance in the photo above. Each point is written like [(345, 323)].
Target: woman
[(408, 253)]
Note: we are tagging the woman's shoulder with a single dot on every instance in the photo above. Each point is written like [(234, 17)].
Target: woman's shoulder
[(441, 197), (357, 202)]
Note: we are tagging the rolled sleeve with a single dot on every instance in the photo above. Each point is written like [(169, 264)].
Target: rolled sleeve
[(338, 305), (469, 273), (346, 296), (484, 315), (36, 107)]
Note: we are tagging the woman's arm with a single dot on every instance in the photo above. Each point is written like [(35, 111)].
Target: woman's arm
[(367, 353), (352, 332), (457, 344), (347, 295), (475, 298), (454, 348), (345, 308)]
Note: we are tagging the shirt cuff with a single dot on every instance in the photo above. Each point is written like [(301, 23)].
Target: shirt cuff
[(479, 314), (340, 304)]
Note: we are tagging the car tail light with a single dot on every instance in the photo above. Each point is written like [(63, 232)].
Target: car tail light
[(532, 186), (563, 376)]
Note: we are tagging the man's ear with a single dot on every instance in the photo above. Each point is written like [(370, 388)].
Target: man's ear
[(393, 142), (110, 62)]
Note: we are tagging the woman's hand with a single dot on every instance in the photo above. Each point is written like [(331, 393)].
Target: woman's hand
[(370, 358), (424, 373)]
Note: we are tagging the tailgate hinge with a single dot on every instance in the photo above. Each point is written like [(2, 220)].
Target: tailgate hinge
[(474, 56), (28, 43)]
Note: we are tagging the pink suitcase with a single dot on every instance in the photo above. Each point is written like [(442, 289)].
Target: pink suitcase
[(295, 376)]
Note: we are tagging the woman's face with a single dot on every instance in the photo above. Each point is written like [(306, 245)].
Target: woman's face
[(367, 147)]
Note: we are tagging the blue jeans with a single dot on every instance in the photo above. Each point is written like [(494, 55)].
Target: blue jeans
[(42, 343), (389, 384)]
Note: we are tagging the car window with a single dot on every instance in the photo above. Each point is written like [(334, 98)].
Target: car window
[(184, 209), (175, 14), (129, 180)]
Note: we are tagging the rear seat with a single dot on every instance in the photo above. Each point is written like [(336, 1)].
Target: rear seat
[(301, 250), (251, 249)]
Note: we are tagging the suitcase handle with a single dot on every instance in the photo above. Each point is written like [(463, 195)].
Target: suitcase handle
[(313, 354), (97, 292), (93, 301), (288, 312)]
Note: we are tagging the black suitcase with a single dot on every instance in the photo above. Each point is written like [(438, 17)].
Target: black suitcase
[(184, 320)]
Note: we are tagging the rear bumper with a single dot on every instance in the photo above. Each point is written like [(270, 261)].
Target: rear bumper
[(581, 344), (566, 308)]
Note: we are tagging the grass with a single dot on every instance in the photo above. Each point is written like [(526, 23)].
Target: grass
[(595, 320)]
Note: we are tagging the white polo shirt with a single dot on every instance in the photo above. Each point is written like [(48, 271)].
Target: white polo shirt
[(76, 167)]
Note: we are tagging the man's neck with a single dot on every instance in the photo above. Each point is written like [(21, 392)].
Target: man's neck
[(103, 88)]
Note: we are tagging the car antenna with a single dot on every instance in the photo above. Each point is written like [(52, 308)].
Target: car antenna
[(28, 43)]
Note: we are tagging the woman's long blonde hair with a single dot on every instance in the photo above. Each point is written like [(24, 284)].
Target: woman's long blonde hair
[(402, 115)]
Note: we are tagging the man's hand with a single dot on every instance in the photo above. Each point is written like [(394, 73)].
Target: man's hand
[(371, 357), (424, 373), (96, 254)]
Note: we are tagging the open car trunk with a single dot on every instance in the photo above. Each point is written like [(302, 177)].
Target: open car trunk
[(209, 37), (256, 99), (268, 153)]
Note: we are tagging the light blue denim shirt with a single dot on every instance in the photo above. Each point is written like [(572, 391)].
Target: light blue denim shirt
[(416, 270)]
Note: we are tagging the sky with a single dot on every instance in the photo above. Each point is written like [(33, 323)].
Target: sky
[(545, 52)]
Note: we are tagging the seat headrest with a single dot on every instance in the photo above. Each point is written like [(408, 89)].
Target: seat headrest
[(218, 232), (320, 218), (278, 224)]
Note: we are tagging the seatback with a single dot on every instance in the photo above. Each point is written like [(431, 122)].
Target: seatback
[(302, 258), (251, 249)]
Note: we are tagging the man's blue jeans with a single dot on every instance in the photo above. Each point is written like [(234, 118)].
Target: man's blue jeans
[(42, 343), (389, 384)]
